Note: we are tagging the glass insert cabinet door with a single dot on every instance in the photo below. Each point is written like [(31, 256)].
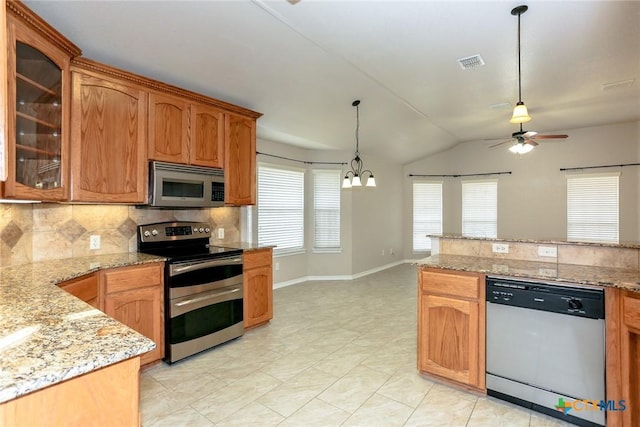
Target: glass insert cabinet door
[(38, 119), (38, 98)]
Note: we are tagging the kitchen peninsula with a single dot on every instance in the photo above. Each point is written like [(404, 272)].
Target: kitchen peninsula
[(452, 303), (54, 346)]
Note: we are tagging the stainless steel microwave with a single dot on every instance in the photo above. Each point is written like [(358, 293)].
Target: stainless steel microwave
[(173, 185)]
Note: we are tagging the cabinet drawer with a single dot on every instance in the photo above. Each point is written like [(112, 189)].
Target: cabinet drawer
[(631, 312), (465, 286), (122, 279), (255, 259)]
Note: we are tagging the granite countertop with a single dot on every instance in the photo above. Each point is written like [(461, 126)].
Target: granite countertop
[(628, 245), (47, 335), (246, 246), (568, 273)]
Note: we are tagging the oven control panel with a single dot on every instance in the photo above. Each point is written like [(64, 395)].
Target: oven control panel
[(177, 230)]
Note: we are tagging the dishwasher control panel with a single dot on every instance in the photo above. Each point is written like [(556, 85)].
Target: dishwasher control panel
[(561, 299)]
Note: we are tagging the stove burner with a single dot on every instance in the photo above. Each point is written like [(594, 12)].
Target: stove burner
[(179, 240)]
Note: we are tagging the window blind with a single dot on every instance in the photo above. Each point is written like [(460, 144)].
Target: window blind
[(281, 208), (427, 213), (480, 208), (592, 207), (326, 203)]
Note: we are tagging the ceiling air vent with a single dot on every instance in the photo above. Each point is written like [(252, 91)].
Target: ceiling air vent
[(471, 62)]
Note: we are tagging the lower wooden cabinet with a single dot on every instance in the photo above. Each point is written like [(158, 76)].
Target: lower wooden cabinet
[(623, 356), (85, 288), (258, 287), (106, 397), (451, 325), (134, 296)]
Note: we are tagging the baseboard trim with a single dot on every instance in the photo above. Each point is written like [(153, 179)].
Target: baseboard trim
[(341, 277)]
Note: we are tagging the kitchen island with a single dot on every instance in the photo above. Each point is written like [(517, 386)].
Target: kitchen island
[(452, 306), (51, 340)]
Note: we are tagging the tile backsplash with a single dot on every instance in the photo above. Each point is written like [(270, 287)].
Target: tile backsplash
[(38, 232)]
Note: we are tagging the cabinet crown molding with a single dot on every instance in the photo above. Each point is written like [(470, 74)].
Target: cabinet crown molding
[(86, 64), (22, 12)]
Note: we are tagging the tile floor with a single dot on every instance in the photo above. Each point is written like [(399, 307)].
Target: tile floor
[(337, 353)]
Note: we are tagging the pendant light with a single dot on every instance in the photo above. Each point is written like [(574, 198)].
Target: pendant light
[(520, 113), (356, 171)]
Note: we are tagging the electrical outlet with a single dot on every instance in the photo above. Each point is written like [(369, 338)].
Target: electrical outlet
[(500, 248), (220, 233), (94, 242), (391, 251), (548, 251), (277, 266)]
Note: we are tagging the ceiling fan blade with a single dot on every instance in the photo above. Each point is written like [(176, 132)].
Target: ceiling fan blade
[(531, 142), (551, 136), (529, 134), (500, 143)]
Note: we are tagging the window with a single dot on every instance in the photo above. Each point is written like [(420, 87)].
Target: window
[(281, 208), (480, 208), (427, 213), (326, 204), (592, 207)]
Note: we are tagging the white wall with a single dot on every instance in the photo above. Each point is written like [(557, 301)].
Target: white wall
[(532, 200), (376, 222), (371, 219)]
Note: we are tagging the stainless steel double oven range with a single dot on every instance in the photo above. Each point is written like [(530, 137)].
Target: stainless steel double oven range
[(203, 287)]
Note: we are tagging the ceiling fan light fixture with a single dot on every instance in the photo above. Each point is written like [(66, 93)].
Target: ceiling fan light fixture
[(520, 113), (520, 148)]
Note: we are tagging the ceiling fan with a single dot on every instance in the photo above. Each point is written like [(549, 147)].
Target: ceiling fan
[(523, 140)]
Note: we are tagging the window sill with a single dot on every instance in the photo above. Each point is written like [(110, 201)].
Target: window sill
[(327, 250), (288, 252)]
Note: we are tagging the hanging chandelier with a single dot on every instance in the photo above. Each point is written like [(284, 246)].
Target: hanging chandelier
[(356, 171), (520, 113)]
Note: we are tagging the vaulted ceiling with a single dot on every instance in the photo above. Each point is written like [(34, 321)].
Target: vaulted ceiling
[(302, 65)]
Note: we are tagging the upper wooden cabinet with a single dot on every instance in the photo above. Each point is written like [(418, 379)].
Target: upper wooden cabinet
[(451, 322), (168, 128), (3, 93), (184, 132), (109, 139), (240, 160), (81, 131), (207, 136), (37, 114)]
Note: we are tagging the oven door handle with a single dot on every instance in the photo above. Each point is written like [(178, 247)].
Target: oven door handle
[(206, 297), (176, 269)]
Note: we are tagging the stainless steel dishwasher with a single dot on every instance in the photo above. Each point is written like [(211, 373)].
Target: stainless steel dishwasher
[(546, 346)]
